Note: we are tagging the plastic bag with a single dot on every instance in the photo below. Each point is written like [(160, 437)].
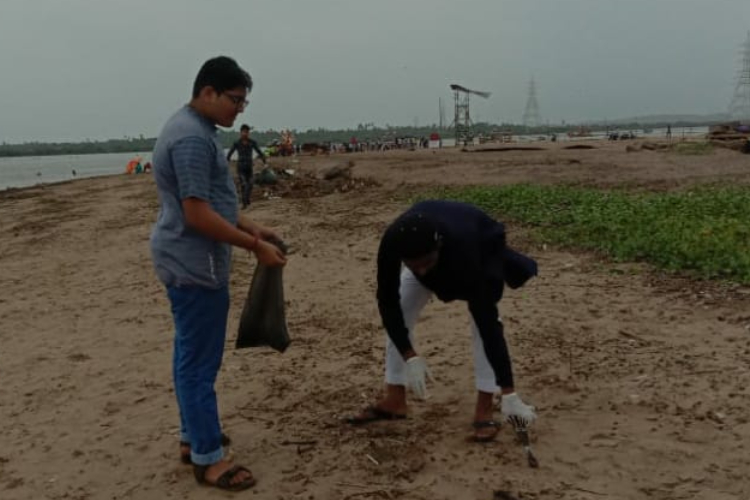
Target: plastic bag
[(263, 319), (266, 177)]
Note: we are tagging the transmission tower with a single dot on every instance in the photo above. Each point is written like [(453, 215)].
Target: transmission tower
[(462, 118), (441, 114), (740, 105), (531, 116)]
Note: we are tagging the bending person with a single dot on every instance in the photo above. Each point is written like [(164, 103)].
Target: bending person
[(456, 252)]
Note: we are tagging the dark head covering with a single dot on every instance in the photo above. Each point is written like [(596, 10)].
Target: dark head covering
[(518, 268), (415, 235)]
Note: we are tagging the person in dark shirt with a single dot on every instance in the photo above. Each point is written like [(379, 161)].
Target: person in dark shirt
[(244, 147), (456, 252)]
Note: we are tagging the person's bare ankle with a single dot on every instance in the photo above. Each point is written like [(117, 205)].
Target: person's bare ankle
[(484, 408), (392, 406), (394, 400)]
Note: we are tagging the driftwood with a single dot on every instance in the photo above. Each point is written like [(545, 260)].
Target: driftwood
[(342, 170), (735, 145), (729, 137), (655, 146), (501, 149)]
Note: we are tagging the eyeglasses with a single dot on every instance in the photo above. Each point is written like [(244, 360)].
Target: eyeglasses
[(237, 100)]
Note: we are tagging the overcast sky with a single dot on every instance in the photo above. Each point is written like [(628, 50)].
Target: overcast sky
[(99, 69)]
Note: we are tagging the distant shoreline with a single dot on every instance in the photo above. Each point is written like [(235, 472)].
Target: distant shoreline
[(72, 153), (366, 133)]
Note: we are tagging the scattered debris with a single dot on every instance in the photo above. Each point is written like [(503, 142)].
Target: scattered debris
[(728, 132), (741, 145), (306, 184), (502, 149), (342, 170), (734, 135), (655, 146), (522, 433), (502, 495)]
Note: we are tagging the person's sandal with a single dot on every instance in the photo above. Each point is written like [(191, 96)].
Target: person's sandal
[(185, 457), (373, 414), (485, 424), (224, 482)]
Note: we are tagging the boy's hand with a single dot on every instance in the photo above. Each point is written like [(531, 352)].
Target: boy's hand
[(268, 253), (257, 230), (268, 234)]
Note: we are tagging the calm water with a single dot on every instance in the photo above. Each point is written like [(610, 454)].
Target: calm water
[(30, 170)]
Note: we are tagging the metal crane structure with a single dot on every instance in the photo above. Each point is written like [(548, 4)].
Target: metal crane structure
[(740, 105), (462, 119)]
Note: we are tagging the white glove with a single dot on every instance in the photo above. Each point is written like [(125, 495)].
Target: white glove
[(513, 408), (417, 374)]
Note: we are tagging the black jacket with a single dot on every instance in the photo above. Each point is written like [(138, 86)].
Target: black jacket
[(474, 264)]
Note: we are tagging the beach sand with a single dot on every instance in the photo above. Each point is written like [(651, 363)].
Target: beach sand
[(641, 380)]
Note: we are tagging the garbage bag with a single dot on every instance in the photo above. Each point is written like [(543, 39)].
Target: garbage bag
[(266, 177), (263, 319)]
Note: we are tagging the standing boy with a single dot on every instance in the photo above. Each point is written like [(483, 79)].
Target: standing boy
[(191, 245)]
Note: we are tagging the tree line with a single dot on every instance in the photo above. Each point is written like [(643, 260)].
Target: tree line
[(363, 132)]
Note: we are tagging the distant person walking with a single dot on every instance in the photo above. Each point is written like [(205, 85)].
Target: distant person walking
[(245, 147), (669, 132)]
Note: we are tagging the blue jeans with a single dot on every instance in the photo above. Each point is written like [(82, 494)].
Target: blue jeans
[(200, 320)]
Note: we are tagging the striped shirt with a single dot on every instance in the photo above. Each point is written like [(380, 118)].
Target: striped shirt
[(245, 155), (189, 162)]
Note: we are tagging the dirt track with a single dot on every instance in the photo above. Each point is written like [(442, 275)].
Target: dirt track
[(641, 380)]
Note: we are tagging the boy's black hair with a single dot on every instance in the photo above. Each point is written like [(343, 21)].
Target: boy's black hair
[(222, 73), (415, 235), (245, 126)]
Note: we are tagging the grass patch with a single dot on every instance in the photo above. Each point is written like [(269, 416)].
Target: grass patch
[(705, 230), (693, 148)]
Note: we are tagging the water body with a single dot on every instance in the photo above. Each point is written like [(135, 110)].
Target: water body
[(31, 170)]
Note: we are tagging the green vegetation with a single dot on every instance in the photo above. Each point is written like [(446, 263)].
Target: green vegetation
[(693, 148), (127, 145), (704, 230)]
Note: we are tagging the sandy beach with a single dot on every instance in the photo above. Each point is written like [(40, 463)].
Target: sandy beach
[(641, 379)]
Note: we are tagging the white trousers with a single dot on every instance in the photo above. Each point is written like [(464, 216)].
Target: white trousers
[(414, 296)]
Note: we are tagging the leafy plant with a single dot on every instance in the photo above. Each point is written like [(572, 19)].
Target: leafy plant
[(693, 148), (705, 230)]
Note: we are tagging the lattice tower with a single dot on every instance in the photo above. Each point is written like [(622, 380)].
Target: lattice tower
[(531, 117), (740, 105), (462, 117)]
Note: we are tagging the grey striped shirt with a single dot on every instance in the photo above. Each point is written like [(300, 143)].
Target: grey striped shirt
[(189, 162)]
